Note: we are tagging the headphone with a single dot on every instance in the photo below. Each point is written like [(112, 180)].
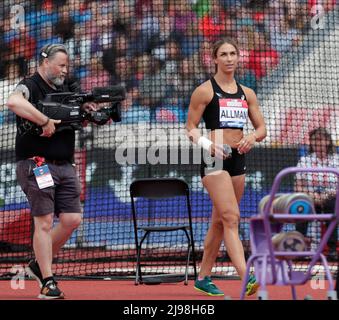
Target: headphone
[(47, 51)]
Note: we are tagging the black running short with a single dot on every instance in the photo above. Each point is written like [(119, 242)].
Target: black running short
[(235, 165)]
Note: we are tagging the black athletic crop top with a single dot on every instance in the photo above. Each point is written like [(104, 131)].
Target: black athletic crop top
[(226, 110)]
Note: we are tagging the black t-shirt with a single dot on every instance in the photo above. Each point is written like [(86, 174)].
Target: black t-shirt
[(60, 146)]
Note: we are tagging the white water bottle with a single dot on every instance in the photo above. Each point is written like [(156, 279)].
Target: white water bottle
[(227, 150)]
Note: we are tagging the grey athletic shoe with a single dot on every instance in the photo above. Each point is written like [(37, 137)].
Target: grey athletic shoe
[(51, 291)]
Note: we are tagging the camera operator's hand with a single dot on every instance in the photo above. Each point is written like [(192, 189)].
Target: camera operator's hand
[(48, 129), (90, 106)]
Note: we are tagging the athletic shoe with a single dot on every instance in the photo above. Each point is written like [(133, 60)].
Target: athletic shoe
[(207, 286), (33, 270), (252, 285), (51, 291)]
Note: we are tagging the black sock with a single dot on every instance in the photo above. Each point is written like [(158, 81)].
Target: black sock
[(44, 281)]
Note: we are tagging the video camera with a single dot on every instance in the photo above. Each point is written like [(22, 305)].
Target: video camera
[(68, 107)]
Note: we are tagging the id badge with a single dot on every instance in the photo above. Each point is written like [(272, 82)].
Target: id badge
[(43, 177)]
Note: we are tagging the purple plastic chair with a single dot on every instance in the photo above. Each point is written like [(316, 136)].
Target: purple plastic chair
[(274, 267)]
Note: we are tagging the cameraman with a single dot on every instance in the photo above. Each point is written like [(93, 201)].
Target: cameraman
[(56, 190)]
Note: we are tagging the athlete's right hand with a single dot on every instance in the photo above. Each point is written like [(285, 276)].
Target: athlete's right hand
[(218, 151), (49, 129)]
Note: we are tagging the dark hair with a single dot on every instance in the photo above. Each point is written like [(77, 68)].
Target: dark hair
[(322, 132), (219, 43), (49, 50)]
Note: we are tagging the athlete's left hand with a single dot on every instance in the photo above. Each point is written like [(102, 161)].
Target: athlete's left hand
[(246, 143)]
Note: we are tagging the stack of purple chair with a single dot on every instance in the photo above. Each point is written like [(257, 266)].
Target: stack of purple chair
[(274, 267)]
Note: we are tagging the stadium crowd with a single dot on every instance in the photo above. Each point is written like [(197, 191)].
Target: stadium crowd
[(158, 49)]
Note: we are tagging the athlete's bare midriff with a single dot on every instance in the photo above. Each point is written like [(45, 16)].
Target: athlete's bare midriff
[(226, 136)]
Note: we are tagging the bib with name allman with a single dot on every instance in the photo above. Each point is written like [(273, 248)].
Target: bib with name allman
[(232, 112)]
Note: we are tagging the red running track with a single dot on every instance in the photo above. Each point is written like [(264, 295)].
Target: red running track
[(126, 290)]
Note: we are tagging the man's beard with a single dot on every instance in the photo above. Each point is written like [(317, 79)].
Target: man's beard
[(57, 81)]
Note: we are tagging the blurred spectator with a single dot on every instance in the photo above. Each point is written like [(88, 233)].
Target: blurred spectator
[(244, 75), (43, 11), (132, 111), (262, 59), (281, 27), (244, 17), (175, 107), (96, 77), (205, 59), (155, 87), (46, 35), (170, 55), (64, 27), (284, 36), (104, 34), (4, 50), (170, 113), (246, 37), (182, 15), (78, 10), (92, 26), (123, 35), (201, 7), (190, 40), (322, 187), (120, 47), (166, 32), (328, 5), (234, 4), (148, 17), (295, 12), (216, 23), (301, 21), (9, 31), (123, 72), (22, 45), (170, 109), (79, 49), (189, 78), (13, 74), (143, 65), (124, 16)]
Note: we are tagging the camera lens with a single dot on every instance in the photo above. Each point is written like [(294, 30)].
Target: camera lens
[(116, 112)]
